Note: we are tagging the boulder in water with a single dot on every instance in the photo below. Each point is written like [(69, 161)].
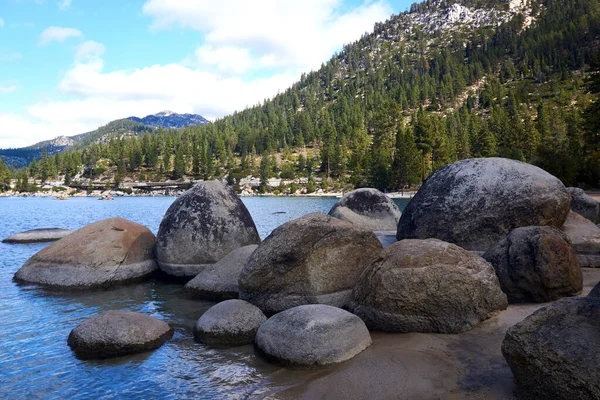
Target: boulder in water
[(116, 333), (367, 209), (312, 336), (476, 202), (229, 323), (555, 352), (220, 281), (201, 227), (536, 264), (427, 286), (102, 254), (40, 235), (312, 259)]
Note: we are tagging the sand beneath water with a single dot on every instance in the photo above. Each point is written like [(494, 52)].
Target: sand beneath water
[(417, 365)]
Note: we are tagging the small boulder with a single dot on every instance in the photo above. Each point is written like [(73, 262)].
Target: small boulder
[(312, 259), (585, 239), (595, 292), (555, 352), (229, 323), (312, 336), (476, 202), (116, 333), (201, 227), (220, 281), (40, 235), (102, 254), (368, 209), (583, 204), (536, 264), (427, 286)]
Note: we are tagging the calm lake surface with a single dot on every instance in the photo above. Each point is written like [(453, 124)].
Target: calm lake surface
[(35, 361)]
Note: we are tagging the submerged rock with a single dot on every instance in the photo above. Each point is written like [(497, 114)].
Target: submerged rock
[(102, 254), (555, 352), (476, 202), (368, 209), (220, 281), (312, 259), (201, 227), (427, 286), (312, 336), (536, 264), (585, 239), (116, 333), (40, 235), (583, 204), (229, 323)]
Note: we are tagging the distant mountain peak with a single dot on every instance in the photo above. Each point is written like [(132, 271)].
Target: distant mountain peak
[(170, 119)]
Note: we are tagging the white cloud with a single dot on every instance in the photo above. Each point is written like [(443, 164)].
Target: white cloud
[(89, 51), (7, 89), (11, 57), (19, 131), (1, 22), (57, 34), (64, 5)]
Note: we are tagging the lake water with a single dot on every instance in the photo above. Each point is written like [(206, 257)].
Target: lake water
[(35, 361)]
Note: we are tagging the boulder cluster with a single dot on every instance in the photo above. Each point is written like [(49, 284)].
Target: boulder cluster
[(478, 235)]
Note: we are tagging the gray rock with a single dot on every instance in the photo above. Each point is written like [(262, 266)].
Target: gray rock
[(427, 286), (38, 235), (585, 239), (583, 204), (386, 238), (312, 259), (103, 254), (229, 323), (312, 336), (116, 333), (220, 281), (476, 202), (368, 209), (201, 227), (555, 352), (595, 292), (536, 264)]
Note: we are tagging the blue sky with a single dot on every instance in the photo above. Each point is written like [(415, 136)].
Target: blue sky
[(69, 66)]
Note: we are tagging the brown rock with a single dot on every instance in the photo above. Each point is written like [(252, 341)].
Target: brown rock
[(585, 239)]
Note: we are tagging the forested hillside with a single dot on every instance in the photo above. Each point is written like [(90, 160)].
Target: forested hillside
[(444, 81)]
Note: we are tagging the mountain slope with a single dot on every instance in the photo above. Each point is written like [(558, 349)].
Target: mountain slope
[(169, 119)]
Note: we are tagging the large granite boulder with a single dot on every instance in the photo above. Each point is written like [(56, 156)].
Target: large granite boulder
[(116, 333), (102, 254), (476, 202), (40, 235), (555, 352), (536, 264), (312, 259), (220, 281), (585, 239), (595, 292), (229, 323), (583, 204), (201, 227), (368, 209), (312, 335), (427, 286)]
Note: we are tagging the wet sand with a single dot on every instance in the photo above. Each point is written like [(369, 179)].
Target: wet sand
[(418, 366)]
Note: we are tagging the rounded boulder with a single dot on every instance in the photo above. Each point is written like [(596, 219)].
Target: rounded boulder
[(102, 254), (583, 204), (536, 264), (312, 335), (312, 259), (367, 209), (474, 203), (555, 352), (229, 323), (585, 239), (201, 227), (427, 286), (116, 333)]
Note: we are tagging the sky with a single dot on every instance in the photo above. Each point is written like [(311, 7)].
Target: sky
[(70, 66)]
